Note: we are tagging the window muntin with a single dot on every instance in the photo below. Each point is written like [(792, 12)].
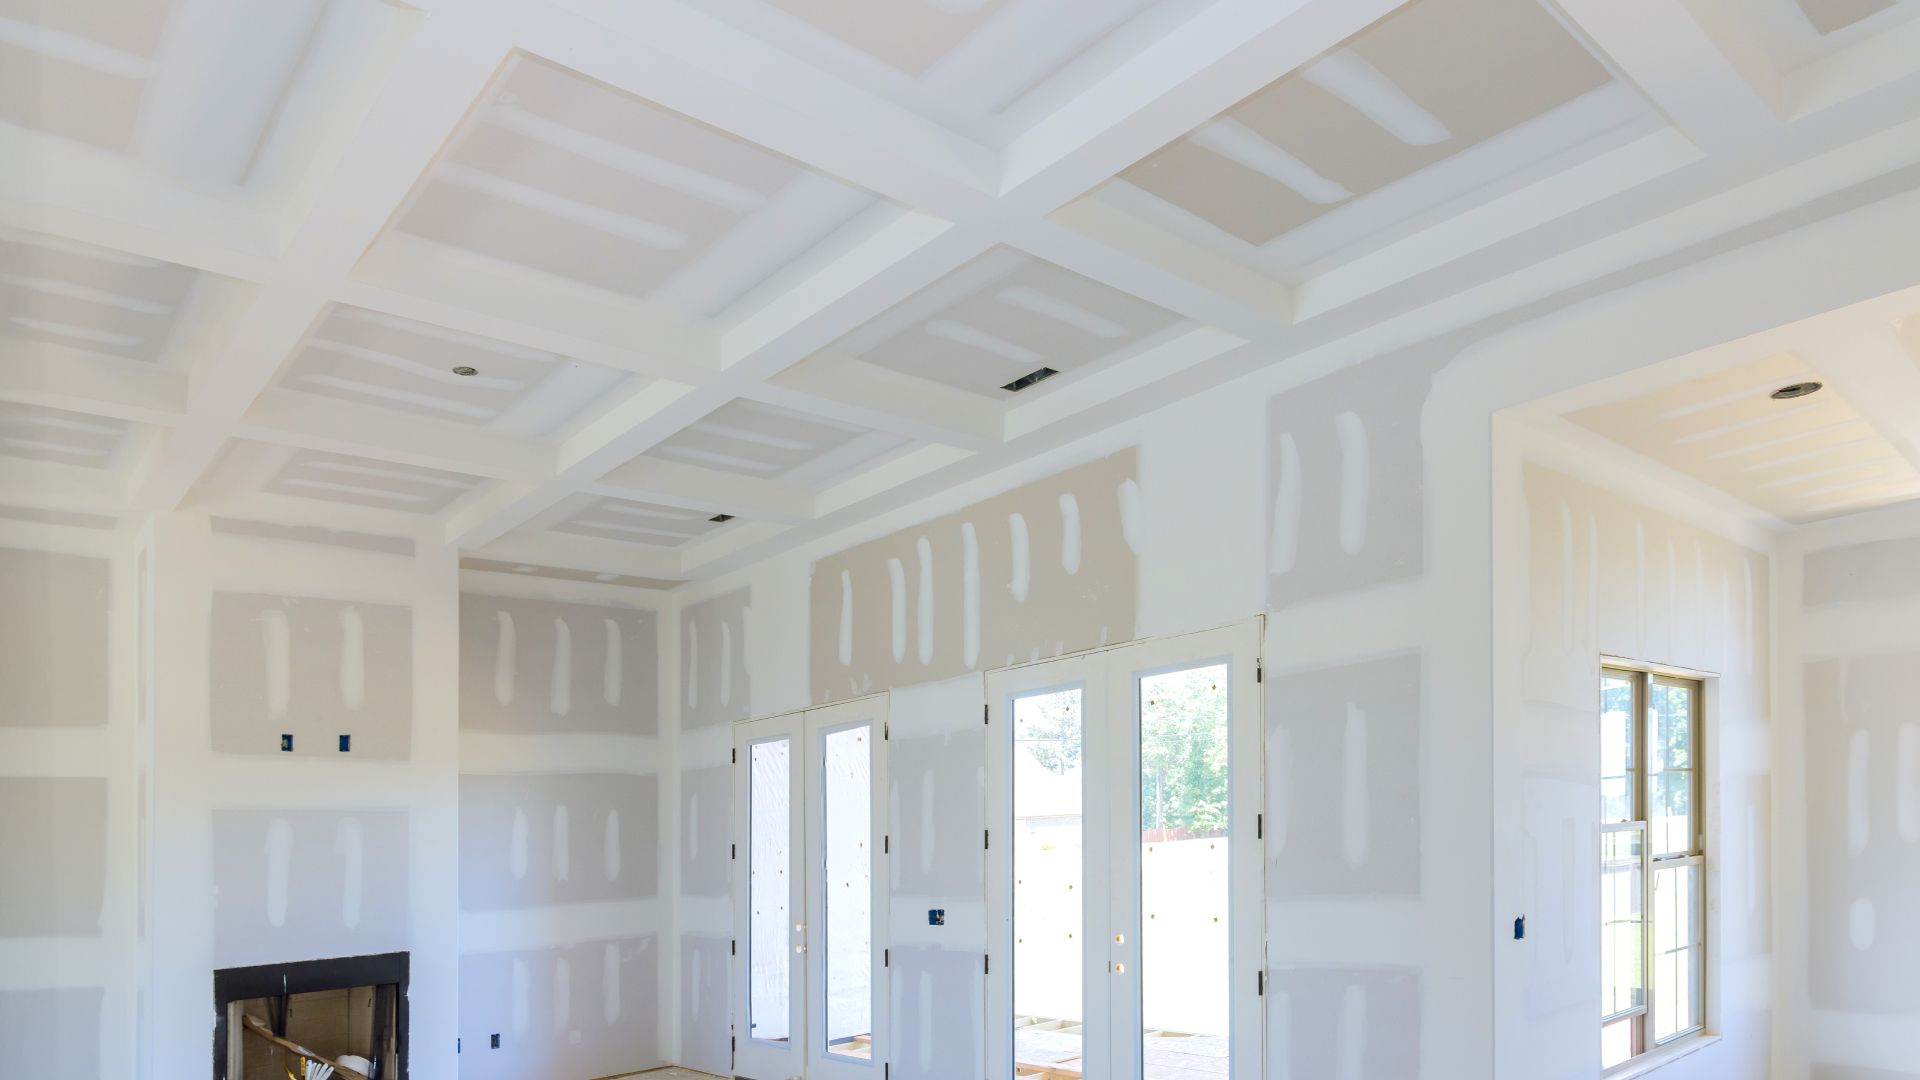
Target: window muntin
[(1652, 862)]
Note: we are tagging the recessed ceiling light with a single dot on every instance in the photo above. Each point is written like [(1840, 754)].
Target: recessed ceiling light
[(1794, 390), (720, 518), (465, 370)]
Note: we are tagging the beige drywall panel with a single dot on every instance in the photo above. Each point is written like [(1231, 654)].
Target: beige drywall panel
[(312, 668), (1041, 570), (53, 639)]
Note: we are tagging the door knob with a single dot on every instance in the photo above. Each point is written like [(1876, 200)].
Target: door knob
[(799, 948)]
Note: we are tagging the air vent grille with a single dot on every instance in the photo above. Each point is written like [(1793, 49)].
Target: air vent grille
[(1029, 379)]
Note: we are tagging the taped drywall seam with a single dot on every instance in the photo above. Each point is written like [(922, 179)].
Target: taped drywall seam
[(1020, 581)]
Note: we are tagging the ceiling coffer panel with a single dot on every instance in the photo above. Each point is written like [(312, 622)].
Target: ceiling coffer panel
[(1435, 78), (1799, 458), (372, 358), (1000, 317), (1828, 16), (384, 485), (77, 297), (628, 522), (58, 436), (566, 176), (752, 438)]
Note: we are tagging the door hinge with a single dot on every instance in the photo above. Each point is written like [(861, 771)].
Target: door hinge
[(986, 839), (733, 851), (1259, 672), (886, 845), (886, 1069), (985, 712), (735, 752), (733, 947), (1259, 826), (886, 732), (986, 965), (886, 957), (1260, 984)]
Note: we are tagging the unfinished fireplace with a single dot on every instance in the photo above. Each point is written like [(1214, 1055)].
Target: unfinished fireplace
[(270, 1021)]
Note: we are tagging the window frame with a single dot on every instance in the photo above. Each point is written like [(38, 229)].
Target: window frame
[(1642, 679)]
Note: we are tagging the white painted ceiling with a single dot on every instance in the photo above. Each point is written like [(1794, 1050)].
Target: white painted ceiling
[(1852, 445), (774, 260)]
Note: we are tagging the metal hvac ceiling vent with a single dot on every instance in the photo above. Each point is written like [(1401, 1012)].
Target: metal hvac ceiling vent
[(720, 518), (1029, 379)]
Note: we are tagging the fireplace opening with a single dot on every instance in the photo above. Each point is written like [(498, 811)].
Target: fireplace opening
[(349, 1013)]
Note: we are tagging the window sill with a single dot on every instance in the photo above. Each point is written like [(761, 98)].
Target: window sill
[(1665, 1055)]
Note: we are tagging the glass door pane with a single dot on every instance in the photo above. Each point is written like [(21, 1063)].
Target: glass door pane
[(769, 962), (847, 799), (1185, 873), (1049, 830), (769, 890), (846, 908)]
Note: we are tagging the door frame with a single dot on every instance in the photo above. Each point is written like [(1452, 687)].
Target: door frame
[(822, 1065), (804, 1053), (1087, 671), (759, 1058), (1111, 752)]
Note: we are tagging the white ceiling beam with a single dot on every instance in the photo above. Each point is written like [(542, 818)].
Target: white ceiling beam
[(1712, 86), (285, 418), (711, 491), (1175, 276), (416, 278), (84, 193), (640, 419), (51, 485), (681, 58), (910, 253), (585, 553), (425, 93), (318, 513), (1213, 60), (872, 396), (57, 378)]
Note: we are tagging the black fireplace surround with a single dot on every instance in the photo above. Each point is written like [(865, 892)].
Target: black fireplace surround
[(276, 980)]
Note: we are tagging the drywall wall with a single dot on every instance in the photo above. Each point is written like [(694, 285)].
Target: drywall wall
[(1850, 851), (1366, 956), (259, 855), (716, 688), (70, 784), (561, 828), (1044, 569), (936, 813), (1379, 595), (1586, 572)]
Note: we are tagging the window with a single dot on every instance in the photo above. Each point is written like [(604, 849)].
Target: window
[(1652, 862)]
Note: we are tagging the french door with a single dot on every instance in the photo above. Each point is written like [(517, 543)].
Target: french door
[(810, 993), (1126, 930)]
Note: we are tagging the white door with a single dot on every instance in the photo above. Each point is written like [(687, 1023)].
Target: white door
[(1130, 779), (810, 992), (846, 901), (769, 946)]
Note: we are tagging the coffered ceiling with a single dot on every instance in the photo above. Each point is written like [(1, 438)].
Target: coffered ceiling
[(646, 292)]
